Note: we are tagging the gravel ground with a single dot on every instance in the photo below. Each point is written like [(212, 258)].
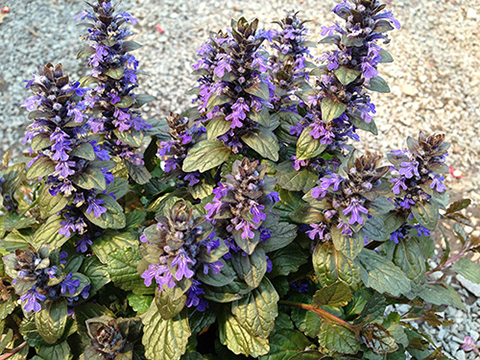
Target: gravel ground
[(435, 79)]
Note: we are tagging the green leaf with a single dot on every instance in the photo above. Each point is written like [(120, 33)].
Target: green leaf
[(259, 89), (42, 167), (139, 173), (331, 109), (238, 339), (378, 84), (440, 295), (84, 151), (250, 268), (225, 277), (287, 260), (6, 308), (30, 333), (216, 127), (201, 190), (128, 46), (359, 123), (216, 100), (200, 320), (382, 275), (165, 339), (286, 343), (306, 214), (113, 218), (307, 146), (282, 234), (49, 204), (122, 268), (90, 178), (408, 256), (335, 337), (468, 269), (306, 321), (86, 52), (337, 294), (458, 205), (290, 179), (131, 137), (206, 155), (139, 303), (51, 320), (350, 246), (119, 187), (47, 234), (108, 242), (262, 117), (426, 214), (257, 311), (56, 352), (167, 306), (346, 75), (125, 102), (134, 219), (115, 73), (96, 272), (382, 26), (331, 265), (264, 142), (385, 57), (142, 99)]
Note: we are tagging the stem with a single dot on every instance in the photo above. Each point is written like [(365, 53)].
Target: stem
[(447, 263), (325, 315), (14, 351)]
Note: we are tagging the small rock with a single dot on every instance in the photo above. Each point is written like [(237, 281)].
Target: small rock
[(469, 285), (460, 355), (408, 89), (472, 14)]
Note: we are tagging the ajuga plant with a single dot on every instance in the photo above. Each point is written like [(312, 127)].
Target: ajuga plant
[(248, 227), (112, 103)]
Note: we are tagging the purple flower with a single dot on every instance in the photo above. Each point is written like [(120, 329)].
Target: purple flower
[(274, 197), (213, 208), (398, 182), (355, 208), (422, 231), (396, 235), (63, 169), (182, 260), (83, 243), (346, 230), (409, 169), (195, 298), (437, 183), (215, 267), (469, 345), (128, 18), (406, 202), (32, 298), (69, 284), (94, 205), (256, 211), (317, 229), (223, 65), (247, 229), (154, 271), (369, 70), (191, 178)]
